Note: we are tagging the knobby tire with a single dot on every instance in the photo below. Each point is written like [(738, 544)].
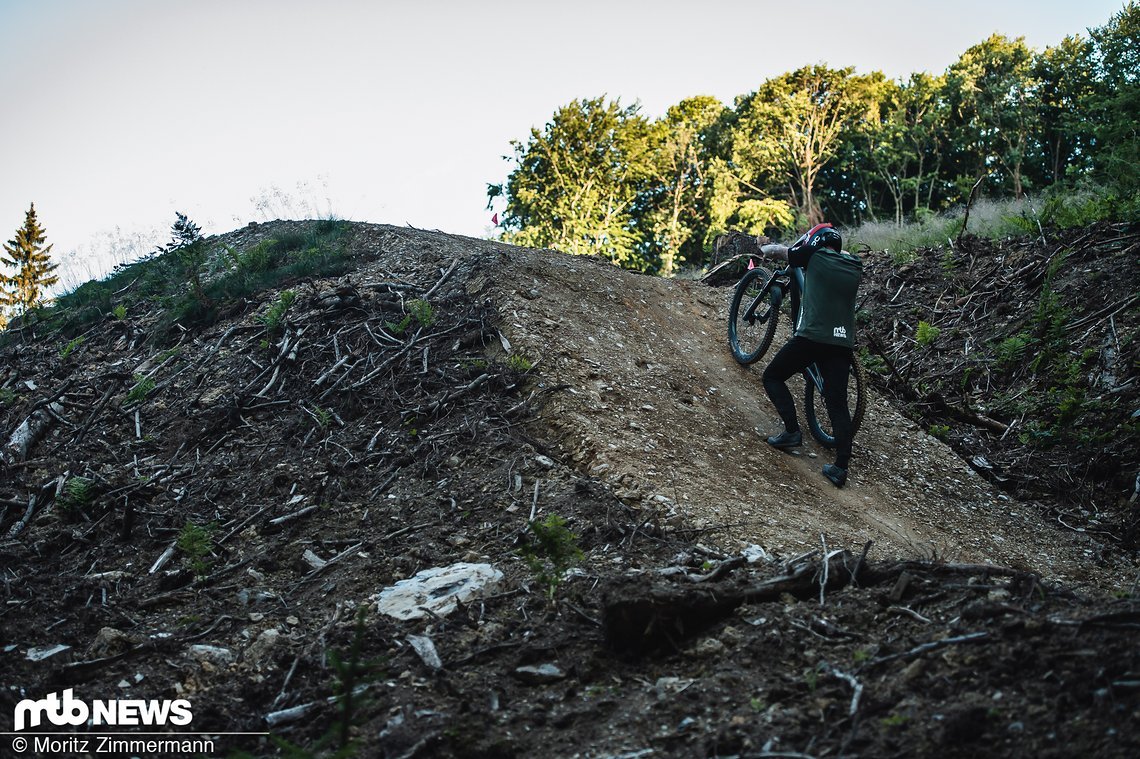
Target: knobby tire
[(811, 394), (750, 339)]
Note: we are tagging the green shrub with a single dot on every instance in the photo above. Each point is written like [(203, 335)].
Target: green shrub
[(275, 316), (141, 389), (77, 493), (1011, 350), (422, 312), (189, 286), (68, 349), (926, 334), (398, 329), (552, 550), (259, 258), (520, 363), (324, 418), (196, 542), (873, 362)]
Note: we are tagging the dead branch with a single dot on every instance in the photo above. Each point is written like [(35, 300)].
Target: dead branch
[(30, 431), (446, 275), (927, 647)]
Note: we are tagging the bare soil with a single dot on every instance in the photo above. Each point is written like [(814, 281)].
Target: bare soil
[(729, 600)]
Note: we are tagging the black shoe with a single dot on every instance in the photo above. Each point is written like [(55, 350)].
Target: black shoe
[(837, 476), (786, 440)]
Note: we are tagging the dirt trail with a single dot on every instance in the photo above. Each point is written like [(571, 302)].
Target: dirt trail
[(654, 403)]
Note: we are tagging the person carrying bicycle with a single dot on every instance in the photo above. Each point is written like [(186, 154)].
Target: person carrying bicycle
[(825, 336)]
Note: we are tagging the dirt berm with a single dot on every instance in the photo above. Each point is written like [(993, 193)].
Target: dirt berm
[(209, 511)]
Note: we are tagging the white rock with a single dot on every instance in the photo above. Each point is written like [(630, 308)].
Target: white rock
[(424, 646), (540, 674), (438, 590), (43, 652), (754, 553), (212, 654), (262, 649)]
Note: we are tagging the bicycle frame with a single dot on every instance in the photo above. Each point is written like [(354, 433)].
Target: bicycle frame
[(791, 277)]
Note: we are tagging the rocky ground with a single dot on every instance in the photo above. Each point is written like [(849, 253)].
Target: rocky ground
[(219, 514)]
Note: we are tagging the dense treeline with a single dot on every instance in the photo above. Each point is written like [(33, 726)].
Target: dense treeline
[(822, 142)]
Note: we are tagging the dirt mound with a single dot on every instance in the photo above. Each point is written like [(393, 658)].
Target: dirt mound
[(210, 514), (654, 403)]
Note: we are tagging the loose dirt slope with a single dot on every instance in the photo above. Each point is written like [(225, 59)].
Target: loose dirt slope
[(209, 511), (654, 404)]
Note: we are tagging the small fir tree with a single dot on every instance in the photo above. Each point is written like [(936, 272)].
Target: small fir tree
[(26, 254), (187, 246)]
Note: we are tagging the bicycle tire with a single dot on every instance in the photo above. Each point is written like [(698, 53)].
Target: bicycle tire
[(750, 338), (811, 392)]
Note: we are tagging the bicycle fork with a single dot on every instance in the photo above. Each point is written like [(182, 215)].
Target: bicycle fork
[(775, 295)]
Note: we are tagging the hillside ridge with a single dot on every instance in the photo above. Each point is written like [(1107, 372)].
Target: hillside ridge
[(206, 512)]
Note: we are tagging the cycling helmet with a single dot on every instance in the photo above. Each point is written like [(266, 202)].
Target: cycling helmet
[(819, 236)]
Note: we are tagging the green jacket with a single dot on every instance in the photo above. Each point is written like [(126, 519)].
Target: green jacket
[(831, 282)]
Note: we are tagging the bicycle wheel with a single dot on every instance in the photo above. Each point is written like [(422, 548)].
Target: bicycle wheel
[(819, 423), (752, 316)]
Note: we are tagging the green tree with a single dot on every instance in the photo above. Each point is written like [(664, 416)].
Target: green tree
[(872, 157), (790, 128), (673, 212), (1065, 83), (893, 153), (1117, 100), (188, 249), (924, 113), (575, 182), (992, 91), (24, 290)]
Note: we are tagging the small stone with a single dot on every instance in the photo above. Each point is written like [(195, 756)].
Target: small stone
[(541, 674), (914, 671), (261, 650), (668, 686), (424, 646), (43, 652), (708, 647), (291, 620), (108, 642), (211, 654), (544, 461)]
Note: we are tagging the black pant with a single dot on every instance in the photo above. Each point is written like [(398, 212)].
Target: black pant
[(834, 362)]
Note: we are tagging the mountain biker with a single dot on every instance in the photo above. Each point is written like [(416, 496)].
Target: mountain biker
[(825, 336)]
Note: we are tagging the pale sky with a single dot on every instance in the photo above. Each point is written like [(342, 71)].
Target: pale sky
[(117, 113)]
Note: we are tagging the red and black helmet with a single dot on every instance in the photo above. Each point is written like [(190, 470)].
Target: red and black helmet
[(819, 236)]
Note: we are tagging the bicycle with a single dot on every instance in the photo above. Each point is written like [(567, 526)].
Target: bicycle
[(752, 320)]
